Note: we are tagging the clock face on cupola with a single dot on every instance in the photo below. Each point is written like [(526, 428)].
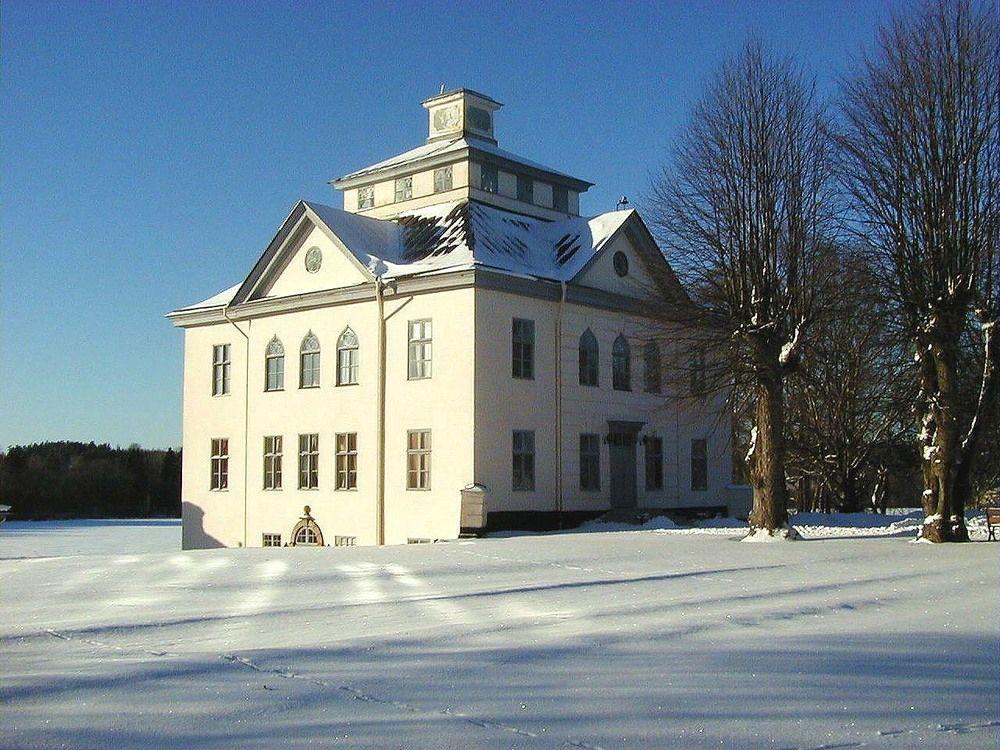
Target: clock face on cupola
[(461, 113)]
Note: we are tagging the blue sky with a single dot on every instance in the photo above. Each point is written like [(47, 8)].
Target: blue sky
[(149, 151)]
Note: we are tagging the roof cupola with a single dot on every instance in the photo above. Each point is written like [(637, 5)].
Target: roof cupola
[(460, 113)]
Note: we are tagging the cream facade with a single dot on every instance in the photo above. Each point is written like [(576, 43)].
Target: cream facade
[(430, 341)]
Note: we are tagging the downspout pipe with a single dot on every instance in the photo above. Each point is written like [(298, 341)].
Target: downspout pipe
[(559, 380), (380, 411), (246, 414)]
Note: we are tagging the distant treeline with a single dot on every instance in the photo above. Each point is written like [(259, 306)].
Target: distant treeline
[(86, 480)]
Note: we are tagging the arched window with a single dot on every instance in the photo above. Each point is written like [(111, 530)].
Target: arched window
[(274, 366), (589, 358), (651, 365), (621, 365), (309, 362), (306, 532), (347, 358)]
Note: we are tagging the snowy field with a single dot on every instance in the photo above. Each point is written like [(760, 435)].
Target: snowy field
[(657, 638)]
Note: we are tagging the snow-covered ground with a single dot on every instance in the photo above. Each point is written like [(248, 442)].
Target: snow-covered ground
[(649, 639)]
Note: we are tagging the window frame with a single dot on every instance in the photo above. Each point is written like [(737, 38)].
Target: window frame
[(315, 360), (590, 473), (345, 461), (652, 365), (522, 349), (589, 360), (442, 185), (653, 458), (270, 539), (219, 465), (699, 464), (489, 178), (523, 461), (525, 189), (366, 197), (699, 375), (273, 460), (221, 369), (275, 352), (403, 188), (562, 206), (420, 368), (308, 461), (348, 343), (621, 364), (418, 477)]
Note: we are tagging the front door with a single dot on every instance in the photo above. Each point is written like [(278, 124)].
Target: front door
[(622, 446)]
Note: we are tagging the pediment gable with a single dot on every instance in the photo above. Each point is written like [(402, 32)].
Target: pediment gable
[(304, 256)]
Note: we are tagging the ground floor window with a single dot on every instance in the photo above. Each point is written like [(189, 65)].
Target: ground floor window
[(418, 460), (699, 464), (272, 540), (344, 541), (590, 462), (307, 532), (220, 464), (347, 461), (654, 463), (523, 460)]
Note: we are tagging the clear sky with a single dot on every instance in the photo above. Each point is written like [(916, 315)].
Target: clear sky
[(149, 151)]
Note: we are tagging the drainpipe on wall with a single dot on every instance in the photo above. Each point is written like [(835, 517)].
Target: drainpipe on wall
[(380, 410), (246, 412), (559, 441)]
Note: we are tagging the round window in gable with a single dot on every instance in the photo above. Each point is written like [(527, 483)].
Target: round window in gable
[(621, 263), (314, 259)]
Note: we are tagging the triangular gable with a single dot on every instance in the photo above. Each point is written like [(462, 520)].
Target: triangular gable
[(648, 272), (282, 270)]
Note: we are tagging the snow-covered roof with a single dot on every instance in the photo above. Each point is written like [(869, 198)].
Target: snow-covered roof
[(467, 234), (441, 148), (216, 300)]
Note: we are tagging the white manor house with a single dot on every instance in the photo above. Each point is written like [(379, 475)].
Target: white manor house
[(455, 347)]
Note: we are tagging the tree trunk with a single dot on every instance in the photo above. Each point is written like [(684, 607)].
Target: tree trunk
[(767, 467)]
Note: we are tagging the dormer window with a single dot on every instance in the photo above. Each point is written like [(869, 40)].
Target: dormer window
[(366, 197), (442, 179), (404, 188), (525, 189), (489, 178), (560, 199)]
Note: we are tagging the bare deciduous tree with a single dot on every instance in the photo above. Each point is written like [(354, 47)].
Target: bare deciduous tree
[(744, 212), (922, 163)]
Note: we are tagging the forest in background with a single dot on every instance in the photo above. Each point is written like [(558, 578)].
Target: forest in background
[(87, 480)]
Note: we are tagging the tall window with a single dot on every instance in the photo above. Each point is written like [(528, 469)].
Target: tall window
[(654, 463), (418, 460), (274, 366), (366, 197), (442, 179), (220, 464), (589, 358), (525, 189), (651, 366), (560, 199), (621, 364), (524, 460), (699, 464), (419, 349), (272, 462), (220, 369), (309, 362), (347, 461), (347, 358), (404, 188), (308, 461), (590, 462), (523, 348), (489, 178), (698, 379)]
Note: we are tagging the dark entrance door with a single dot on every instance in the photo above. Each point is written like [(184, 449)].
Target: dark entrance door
[(622, 440)]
